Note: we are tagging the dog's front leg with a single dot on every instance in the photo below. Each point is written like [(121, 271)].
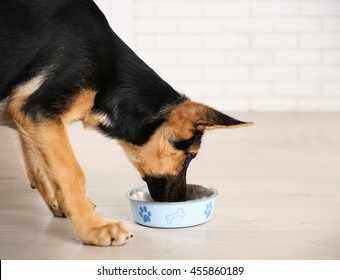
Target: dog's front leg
[(38, 178), (49, 141)]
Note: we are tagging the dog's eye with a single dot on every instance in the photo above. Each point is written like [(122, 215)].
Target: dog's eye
[(183, 144)]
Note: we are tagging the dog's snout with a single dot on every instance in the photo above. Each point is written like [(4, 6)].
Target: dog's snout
[(166, 188), (158, 181), (156, 186)]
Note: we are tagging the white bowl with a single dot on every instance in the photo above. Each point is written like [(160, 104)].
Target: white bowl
[(198, 209)]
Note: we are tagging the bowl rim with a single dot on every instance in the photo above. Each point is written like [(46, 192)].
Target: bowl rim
[(215, 193)]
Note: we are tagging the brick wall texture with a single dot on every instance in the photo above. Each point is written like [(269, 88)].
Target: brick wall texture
[(247, 55)]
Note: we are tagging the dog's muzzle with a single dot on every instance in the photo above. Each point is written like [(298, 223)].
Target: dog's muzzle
[(167, 188)]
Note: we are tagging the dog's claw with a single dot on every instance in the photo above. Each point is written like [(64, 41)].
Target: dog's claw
[(58, 214), (128, 237)]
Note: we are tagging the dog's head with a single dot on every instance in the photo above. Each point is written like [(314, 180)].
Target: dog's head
[(164, 159)]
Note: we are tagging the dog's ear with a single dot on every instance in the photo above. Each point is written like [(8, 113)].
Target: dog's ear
[(190, 116), (209, 118)]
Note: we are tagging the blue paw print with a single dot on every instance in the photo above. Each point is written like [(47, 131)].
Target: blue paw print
[(145, 214), (207, 211)]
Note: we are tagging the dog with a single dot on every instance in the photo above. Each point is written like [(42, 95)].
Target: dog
[(61, 62)]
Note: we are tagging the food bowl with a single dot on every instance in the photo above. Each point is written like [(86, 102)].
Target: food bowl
[(198, 208)]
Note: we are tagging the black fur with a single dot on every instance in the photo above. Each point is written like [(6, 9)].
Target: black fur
[(71, 41), (167, 188)]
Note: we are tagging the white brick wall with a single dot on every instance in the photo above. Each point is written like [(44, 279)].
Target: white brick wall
[(245, 54)]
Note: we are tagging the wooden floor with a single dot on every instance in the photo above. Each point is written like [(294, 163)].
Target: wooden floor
[(279, 196)]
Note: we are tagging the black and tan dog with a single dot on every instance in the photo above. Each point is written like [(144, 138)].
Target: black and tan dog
[(60, 62)]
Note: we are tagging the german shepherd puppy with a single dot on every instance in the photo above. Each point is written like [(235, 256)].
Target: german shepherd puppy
[(61, 62)]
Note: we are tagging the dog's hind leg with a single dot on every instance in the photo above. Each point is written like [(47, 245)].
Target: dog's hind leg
[(38, 178)]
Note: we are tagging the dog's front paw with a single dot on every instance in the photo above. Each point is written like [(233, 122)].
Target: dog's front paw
[(110, 234)]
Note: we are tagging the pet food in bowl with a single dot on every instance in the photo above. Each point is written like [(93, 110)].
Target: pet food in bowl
[(196, 210)]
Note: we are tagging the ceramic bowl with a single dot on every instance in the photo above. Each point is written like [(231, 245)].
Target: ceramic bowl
[(198, 208)]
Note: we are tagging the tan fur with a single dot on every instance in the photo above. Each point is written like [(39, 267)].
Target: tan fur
[(158, 156), (81, 107), (39, 179), (27, 88), (5, 118), (182, 119), (223, 126), (21, 92), (93, 120)]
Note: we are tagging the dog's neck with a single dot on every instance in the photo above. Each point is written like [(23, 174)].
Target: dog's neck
[(133, 100)]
